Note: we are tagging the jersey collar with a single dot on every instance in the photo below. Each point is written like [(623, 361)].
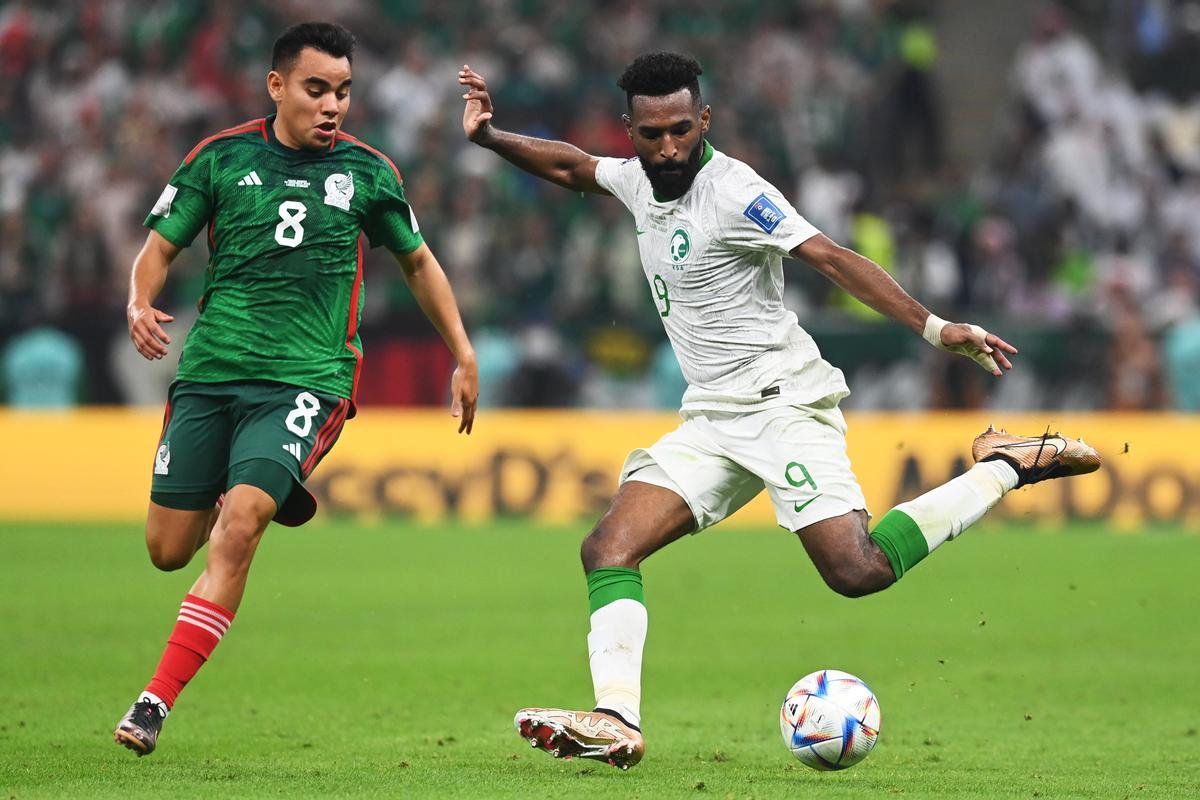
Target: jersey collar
[(279, 147), (705, 157)]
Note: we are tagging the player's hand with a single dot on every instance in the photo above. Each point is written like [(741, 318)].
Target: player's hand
[(145, 330), (464, 395), (477, 114), (986, 349)]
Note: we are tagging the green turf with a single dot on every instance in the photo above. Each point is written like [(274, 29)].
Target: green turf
[(388, 660)]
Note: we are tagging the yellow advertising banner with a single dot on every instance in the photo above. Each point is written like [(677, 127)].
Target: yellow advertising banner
[(561, 466)]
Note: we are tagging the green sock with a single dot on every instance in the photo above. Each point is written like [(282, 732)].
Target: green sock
[(613, 583), (914, 529), (900, 540)]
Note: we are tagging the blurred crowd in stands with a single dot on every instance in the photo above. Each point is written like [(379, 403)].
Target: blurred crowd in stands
[(1076, 232)]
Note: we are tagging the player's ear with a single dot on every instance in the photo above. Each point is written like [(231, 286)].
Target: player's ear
[(705, 117), (275, 86), (628, 125)]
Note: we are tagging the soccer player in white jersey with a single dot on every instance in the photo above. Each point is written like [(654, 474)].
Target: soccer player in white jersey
[(761, 408)]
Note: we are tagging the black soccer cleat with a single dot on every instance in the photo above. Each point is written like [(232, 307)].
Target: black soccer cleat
[(139, 728)]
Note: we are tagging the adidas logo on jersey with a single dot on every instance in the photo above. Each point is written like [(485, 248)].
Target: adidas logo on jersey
[(293, 448), (250, 180)]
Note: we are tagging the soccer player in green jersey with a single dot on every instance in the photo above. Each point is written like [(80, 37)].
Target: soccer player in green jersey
[(761, 408), (268, 373)]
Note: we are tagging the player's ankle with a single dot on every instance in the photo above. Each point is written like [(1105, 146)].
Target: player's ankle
[(628, 716)]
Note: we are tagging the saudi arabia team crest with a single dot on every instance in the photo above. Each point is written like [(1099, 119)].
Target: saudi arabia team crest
[(681, 247)]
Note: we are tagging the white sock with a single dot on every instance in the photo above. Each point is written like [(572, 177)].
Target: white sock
[(153, 698), (945, 512), (615, 652)]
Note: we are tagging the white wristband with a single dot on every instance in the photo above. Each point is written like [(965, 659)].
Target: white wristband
[(933, 335), (933, 331)]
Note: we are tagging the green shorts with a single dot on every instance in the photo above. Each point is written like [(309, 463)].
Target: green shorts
[(261, 433)]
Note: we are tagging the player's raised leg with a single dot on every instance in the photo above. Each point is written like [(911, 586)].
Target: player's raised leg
[(206, 612), (855, 564), (641, 519)]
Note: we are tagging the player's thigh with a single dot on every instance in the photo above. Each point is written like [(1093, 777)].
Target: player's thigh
[(691, 462), (189, 466), (800, 455), (283, 432), (641, 519)]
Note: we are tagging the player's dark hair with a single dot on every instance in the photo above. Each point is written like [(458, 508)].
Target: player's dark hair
[(659, 74), (328, 37)]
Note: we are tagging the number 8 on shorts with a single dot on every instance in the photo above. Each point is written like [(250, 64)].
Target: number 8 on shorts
[(299, 421)]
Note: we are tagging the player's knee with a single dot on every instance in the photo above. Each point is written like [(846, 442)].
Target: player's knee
[(237, 532), (603, 548), (167, 555), (235, 536), (853, 579)]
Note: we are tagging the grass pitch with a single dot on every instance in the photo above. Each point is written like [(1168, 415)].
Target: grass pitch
[(388, 660)]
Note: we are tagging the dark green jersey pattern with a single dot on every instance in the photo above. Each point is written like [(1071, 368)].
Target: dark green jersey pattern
[(284, 288)]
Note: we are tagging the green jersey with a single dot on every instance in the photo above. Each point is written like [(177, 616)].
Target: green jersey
[(283, 294)]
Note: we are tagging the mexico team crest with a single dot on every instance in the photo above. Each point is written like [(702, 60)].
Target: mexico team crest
[(162, 459), (681, 246), (339, 189)]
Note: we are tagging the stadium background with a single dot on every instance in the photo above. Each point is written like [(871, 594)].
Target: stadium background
[(1029, 166)]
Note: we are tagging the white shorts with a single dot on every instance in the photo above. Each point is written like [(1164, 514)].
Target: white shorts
[(719, 461)]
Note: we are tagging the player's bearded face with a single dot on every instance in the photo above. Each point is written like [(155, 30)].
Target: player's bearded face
[(668, 135), (672, 178), (313, 97)]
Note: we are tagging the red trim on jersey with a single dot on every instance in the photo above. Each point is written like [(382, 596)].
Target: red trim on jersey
[(367, 147), (262, 126), (352, 323), (245, 127), (326, 436), (166, 421)]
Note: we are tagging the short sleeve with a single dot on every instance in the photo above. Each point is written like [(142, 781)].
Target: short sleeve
[(390, 221), (756, 216), (185, 205), (614, 176)]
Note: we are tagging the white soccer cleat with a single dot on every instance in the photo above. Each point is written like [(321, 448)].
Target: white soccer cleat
[(583, 734)]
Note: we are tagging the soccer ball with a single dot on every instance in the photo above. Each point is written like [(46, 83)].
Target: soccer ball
[(830, 720)]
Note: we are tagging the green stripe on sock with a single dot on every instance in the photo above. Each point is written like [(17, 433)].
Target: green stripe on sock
[(608, 584), (900, 540)]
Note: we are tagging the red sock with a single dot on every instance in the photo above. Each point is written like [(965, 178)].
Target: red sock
[(200, 626)]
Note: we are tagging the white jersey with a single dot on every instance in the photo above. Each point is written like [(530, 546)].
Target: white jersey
[(714, 260)]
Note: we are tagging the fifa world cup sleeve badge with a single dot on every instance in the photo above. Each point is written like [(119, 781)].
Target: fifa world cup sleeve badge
[(761, 211)]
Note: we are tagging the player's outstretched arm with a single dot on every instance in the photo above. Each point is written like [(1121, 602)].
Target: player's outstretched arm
[(866, 280), (557, 162), (146, 280), (427, 280)]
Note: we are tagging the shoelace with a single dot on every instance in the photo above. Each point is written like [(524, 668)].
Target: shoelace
[(1036, 471), (1038, 455), (146, 712)]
